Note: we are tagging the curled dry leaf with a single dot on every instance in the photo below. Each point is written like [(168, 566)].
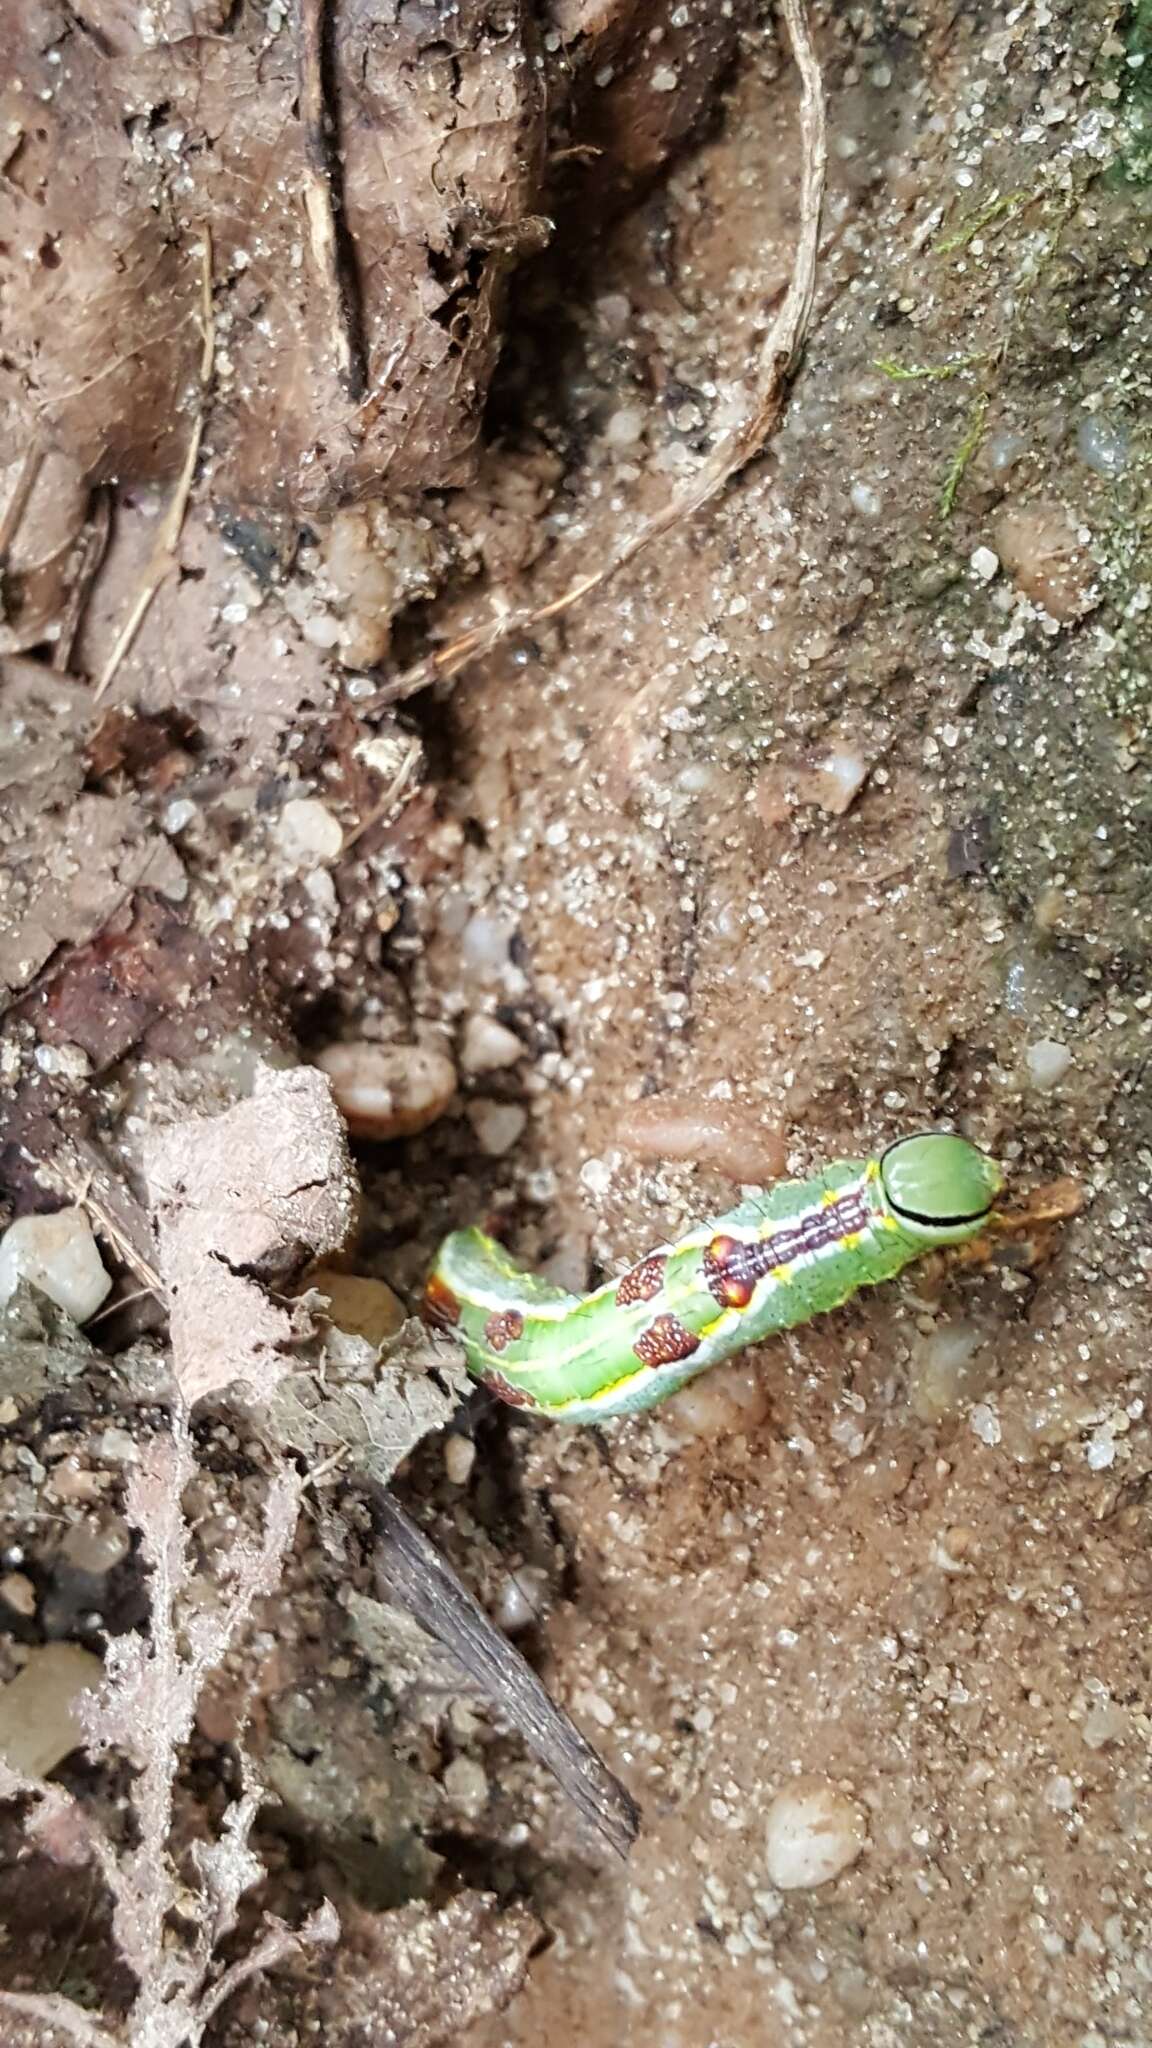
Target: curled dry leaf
[(376, 1405), (254, 1192)]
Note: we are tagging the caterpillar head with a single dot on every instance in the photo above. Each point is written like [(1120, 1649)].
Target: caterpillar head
[(938, 1188)]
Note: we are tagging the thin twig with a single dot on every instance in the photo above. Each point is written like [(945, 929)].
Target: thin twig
[(778, 358), (83, 1173), (162, 560), (49, 2009), (22, 490), (320, 199), (93, 547)]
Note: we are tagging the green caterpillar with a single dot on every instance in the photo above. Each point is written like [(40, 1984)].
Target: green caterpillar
[(782, 1257)]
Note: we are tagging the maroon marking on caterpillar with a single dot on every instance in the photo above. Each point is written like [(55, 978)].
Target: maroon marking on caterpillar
[(726, 1264), (440, 1305), (643, 1281), (515, 1396), (732, 1268), (503, 1328), (664, 1341)]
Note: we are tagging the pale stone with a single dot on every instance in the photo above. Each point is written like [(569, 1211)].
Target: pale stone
[(814, 1832), (58, 1255), (38, 1722), (388, 1091)]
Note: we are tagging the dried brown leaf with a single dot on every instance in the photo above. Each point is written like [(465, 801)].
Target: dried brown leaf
[(374, 1407), (69, 876), (40, 1348), (43, 717), (411, 1571), (100, 329), (241, 671), (255, 1191)]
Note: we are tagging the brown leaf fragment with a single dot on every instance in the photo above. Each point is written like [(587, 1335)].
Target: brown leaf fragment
[(239, 670), (100, 334), (42, 722), (239, 1200), (69, 876), (40, 1349), (376, 1407)]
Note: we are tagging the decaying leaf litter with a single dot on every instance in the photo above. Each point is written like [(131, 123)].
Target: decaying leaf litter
[(890, 1578)]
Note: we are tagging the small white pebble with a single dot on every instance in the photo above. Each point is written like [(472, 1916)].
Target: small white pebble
[(1106, 1722), (625, 427), (485, 944), (487, 1046), (1004, 450), (388, 1091), (865, 500), (601, 1710), (984, 563), (70, 1062), (459, 1458), (725, 1402), (942, 1369), (321, 630), (520, 1599), (1048, 1061), (466, 1784), (838, 781), (307, 832), (814, 1832), (497, 1125), (1103, 445), (58, 1255), (596, 1176), (1101, 1451), (985, 1423), (1060, 1794)]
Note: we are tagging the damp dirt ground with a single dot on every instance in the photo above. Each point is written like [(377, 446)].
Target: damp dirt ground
[(827, 820)]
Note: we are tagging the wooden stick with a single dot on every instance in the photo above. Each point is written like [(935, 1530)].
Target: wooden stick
[(163, 557), (411, 1571)]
